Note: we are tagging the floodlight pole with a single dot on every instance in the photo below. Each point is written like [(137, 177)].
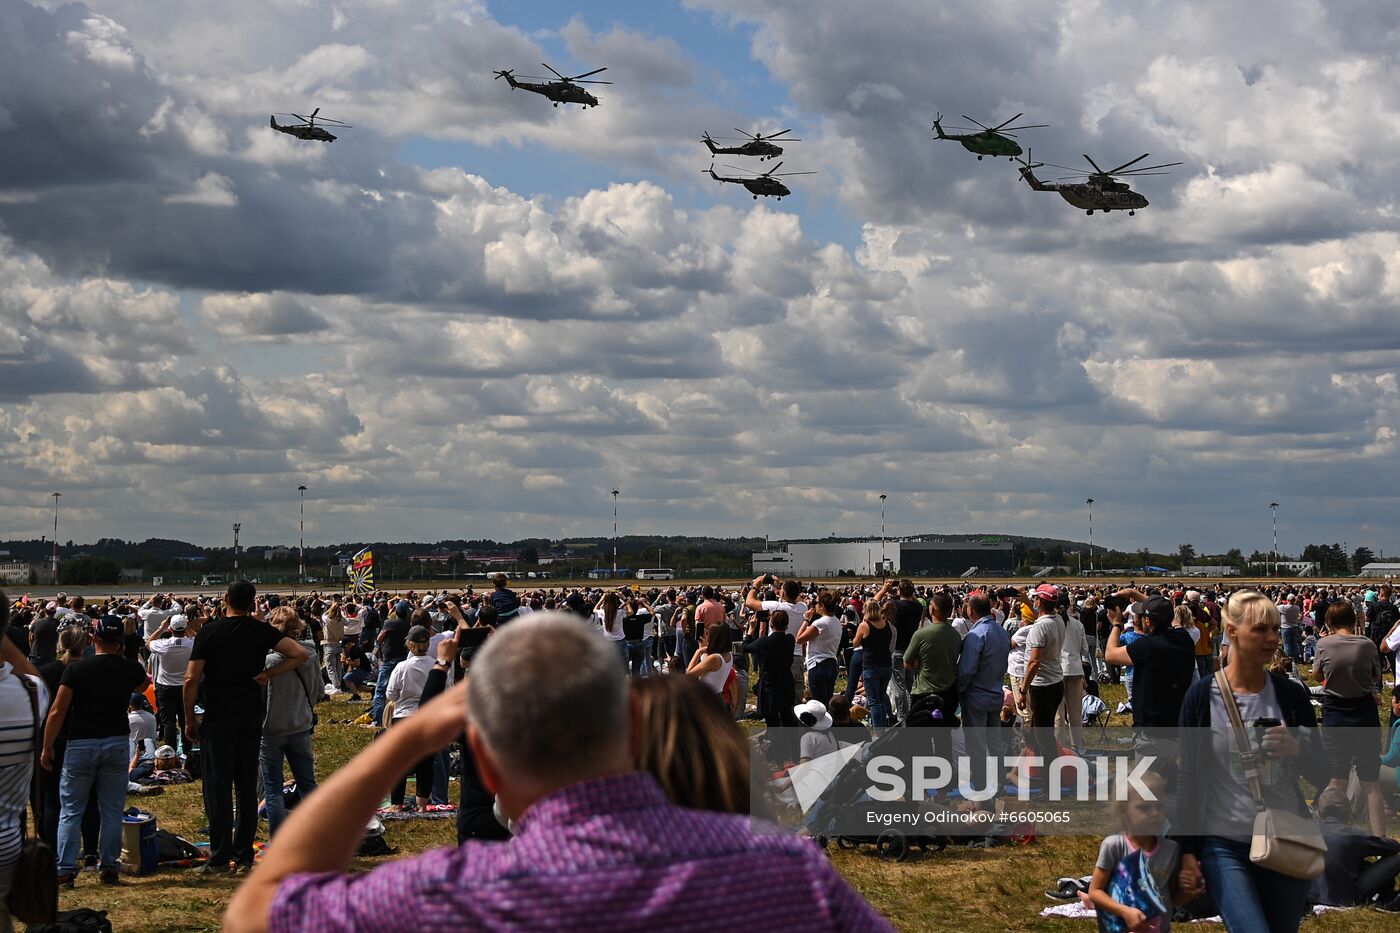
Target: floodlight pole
[(1090, 504), (1273, 507), (55, 537), (301, 542), (614, 495), (882, 532), (237, 527)]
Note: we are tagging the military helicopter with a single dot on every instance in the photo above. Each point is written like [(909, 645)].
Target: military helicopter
[(1098, 191), (765, 184), (307, 128), (757, 144), (563, 91), (991, 140)]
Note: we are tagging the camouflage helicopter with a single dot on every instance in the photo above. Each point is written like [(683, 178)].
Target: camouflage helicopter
[(756, 144), (1098, 191), (563, 91), (765, 184), (307, 128), (990, 140)]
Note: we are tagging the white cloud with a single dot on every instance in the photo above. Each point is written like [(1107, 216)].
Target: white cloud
[(211, 190), (430, 350)]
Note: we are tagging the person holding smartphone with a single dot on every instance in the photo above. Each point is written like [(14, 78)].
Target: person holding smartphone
[(1212, 790)]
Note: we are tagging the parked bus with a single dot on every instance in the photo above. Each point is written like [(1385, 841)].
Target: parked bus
[(656, 573)]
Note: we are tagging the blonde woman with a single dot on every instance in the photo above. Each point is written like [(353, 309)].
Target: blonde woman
[(1212, 790)]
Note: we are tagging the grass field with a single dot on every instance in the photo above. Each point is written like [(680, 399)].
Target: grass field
[(977, 890)]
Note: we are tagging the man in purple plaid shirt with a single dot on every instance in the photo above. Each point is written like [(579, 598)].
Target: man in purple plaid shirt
[(598, 845)]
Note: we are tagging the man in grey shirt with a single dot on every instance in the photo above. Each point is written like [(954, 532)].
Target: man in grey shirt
[(1290, 621)]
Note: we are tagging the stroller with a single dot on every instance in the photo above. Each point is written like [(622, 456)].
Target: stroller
[(894, 843)]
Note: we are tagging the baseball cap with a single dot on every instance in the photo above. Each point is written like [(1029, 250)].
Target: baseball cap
[(1046, 591), (403, 607), (51, 605), (179, 623), (1159, 610), (110, 627), (1193, 596), (418, 633)]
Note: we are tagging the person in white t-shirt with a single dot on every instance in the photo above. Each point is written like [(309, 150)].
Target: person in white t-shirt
[(822, 637), (608, 616), (1045, 680), (1069, 721), (791, 591), (157, 611), (16, 750), (170, 654)]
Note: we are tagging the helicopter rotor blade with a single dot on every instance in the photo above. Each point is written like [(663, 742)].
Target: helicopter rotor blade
[(747, 135), (774, 135), (314, 112), (786, 174), (1147, 168), (587, 73), (1095, 165), (1008, 122), (572, 81), (737, 168), (1115, 171), (1028, 126), (557, 74), (970, 120), (773, 169)]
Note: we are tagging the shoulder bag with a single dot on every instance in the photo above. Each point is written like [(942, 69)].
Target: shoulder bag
[(34, 892), (1283, 841)]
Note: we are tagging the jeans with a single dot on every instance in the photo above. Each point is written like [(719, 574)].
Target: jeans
[(635, 654), (89, 763), (686, 647), (649, 654), (331, 653), (1091, 643), (51, 781), (1251, 899), (376, 709), (440, 779), (1204, 667), (876, 680), (170, 714), (1293, 642), (356, 679), (982, 736), (899, 687), (853, 668), (741, 692), (821, 679), (296, 748), (229, 751)]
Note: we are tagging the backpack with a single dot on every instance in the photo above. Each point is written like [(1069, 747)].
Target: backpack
[(173, 848), (81, 920)]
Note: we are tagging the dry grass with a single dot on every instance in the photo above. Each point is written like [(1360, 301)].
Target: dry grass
[(969, 889)]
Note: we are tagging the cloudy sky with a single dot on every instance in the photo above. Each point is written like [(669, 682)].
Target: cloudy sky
[(474, 315)]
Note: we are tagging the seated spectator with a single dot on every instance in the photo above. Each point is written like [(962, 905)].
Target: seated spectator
[(817, 739), (1358, 866), (599, 844), (141, 723), (686, 740)]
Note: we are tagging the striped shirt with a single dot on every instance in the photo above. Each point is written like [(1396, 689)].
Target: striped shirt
[(607, 854), (16, 755)]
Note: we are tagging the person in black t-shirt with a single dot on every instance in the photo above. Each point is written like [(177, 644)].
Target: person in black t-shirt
[(228, 658), (1163, 662), (43, 639), (392, 647), (92, 698)]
